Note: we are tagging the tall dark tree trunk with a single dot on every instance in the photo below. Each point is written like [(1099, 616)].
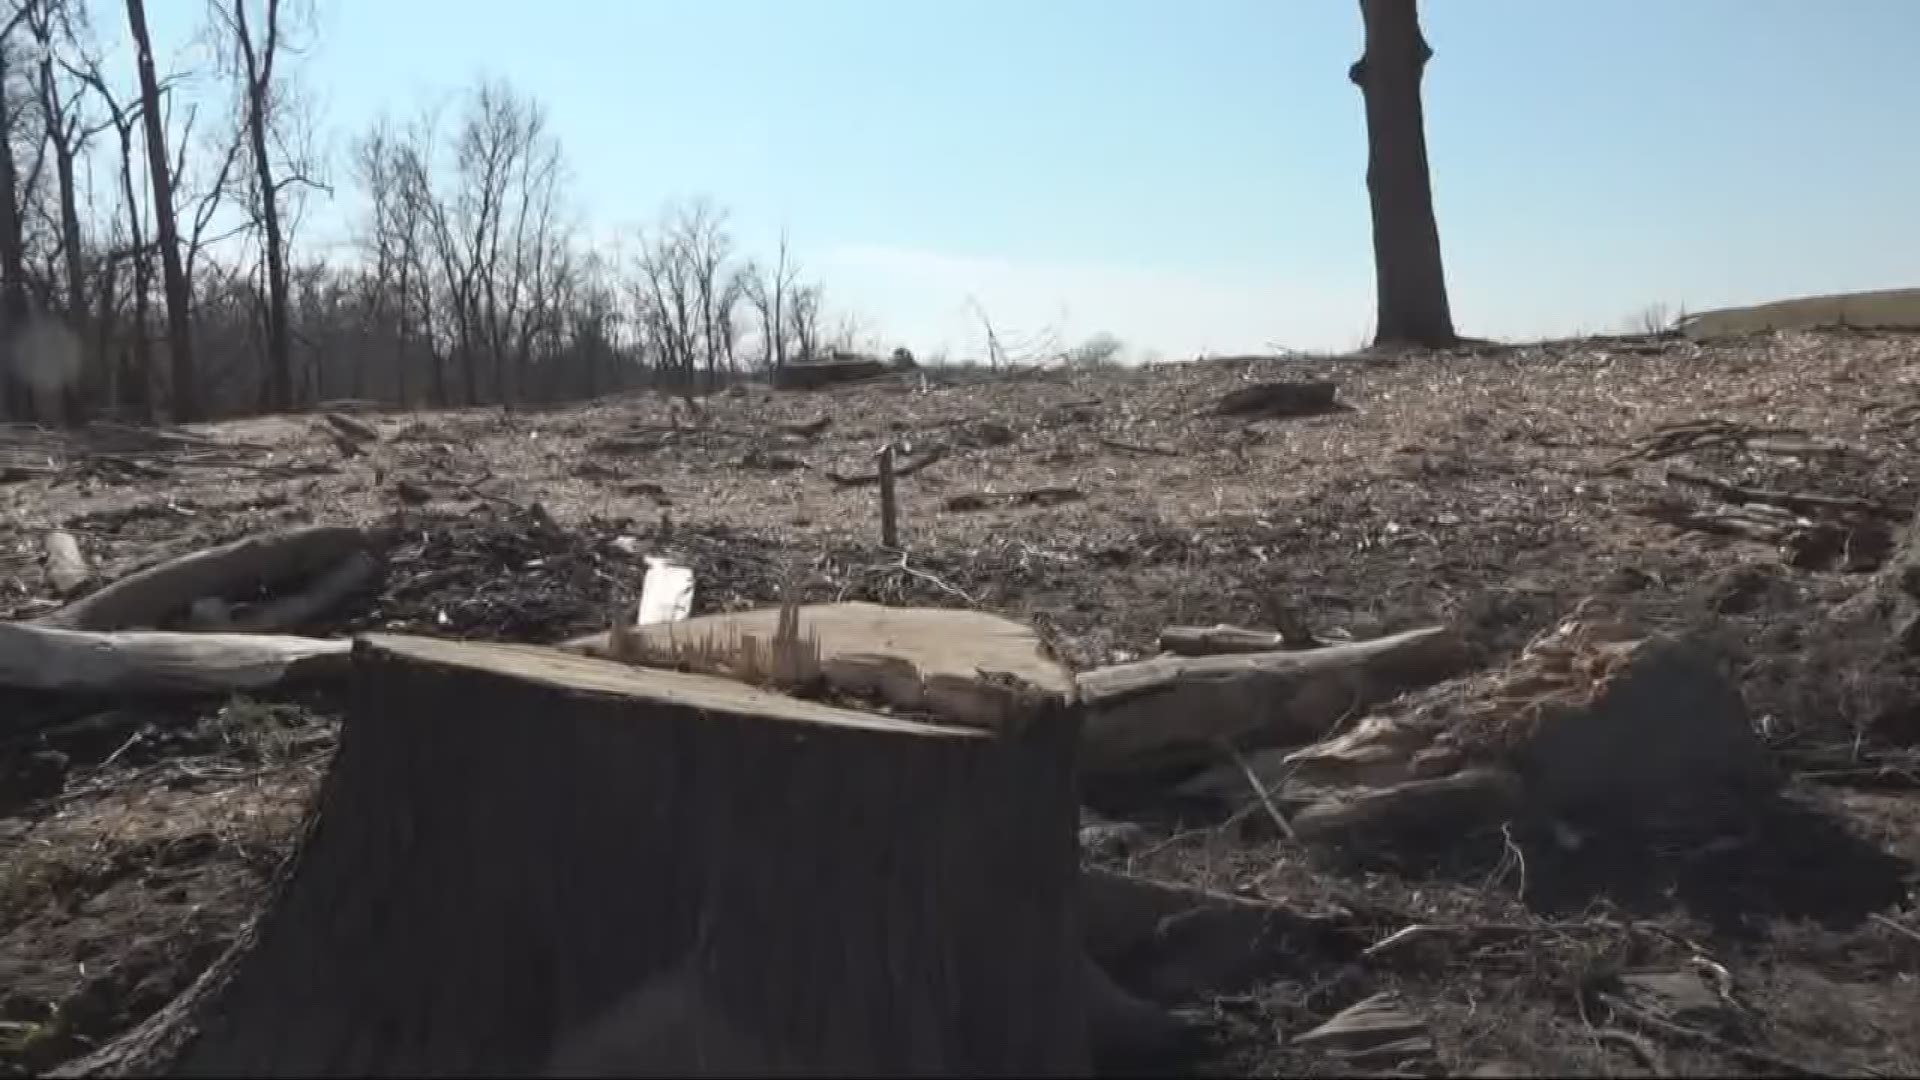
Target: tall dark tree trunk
[(136, 376), (16, 399), (1410, 282), (82, 394), (186, 388), (402, 329), (259, 65)]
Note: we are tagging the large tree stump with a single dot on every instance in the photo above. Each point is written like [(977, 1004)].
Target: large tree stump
[(517, 849)]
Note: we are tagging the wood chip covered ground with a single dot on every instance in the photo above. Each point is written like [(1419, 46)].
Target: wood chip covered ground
[(1553, 506)]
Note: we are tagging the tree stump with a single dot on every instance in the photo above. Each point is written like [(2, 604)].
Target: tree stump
[(524, 859)]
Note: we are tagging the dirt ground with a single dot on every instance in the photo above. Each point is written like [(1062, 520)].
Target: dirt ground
[(1492, 489)]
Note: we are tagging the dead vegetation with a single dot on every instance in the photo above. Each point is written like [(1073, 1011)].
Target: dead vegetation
[(1645, 804)]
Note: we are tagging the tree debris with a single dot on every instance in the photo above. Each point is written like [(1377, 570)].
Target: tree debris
[(159, 594), (1170, 709), (1278, 400), (981, 500), (900, 470)]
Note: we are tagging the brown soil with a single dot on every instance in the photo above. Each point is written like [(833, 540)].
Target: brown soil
[(1483, 488)]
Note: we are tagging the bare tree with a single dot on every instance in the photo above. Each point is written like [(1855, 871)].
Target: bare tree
[(805, 321), (1410, 282), (769, 292), (255, 57), (56, 24), (186, 390), (687, 293), (132, 381)]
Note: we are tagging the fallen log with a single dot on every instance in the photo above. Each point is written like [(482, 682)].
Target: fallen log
[(35, 657), (808, 429), (816, 374), (1221, 640), (1138, 448), (1431, 814), (357, 430), (1278, 400), (856, 894), (283, 614), (1172, 709), (157, 594)]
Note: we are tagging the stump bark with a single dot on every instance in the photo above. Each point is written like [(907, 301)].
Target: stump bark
[(517, 849)]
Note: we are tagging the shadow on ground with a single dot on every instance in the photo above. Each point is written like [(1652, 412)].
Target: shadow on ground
[(1794, 860)]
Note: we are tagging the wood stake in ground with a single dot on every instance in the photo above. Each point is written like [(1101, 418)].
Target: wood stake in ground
[(515, 842), (889, 526)]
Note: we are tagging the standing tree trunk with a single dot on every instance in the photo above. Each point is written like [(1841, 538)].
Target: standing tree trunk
[(524, 860), (186, 388), (1410, 283), (63, 133), (16, 398), (258, 63)]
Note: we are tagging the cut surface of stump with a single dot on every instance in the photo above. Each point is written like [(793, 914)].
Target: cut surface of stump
[(518, 848), (964, 667)]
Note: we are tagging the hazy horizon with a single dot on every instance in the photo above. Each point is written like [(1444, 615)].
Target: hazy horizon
[(1188, 179)]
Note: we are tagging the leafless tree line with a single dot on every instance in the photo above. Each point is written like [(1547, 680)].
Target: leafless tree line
[(152, 261)]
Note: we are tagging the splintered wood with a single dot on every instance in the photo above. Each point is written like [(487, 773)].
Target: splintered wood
[(788, 660), (961, 667)]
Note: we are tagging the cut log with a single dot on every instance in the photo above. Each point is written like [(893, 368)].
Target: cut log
[(1430, 815), (965, 667), (808, 429), (1220, 640), (67, 567), (1172, 710), (283, 614), (1278, 400), (514, 840), (357, 430), (815, 374), (243, 568), (36, 657)]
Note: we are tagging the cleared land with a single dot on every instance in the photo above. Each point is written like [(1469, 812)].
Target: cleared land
[(1491, 490)]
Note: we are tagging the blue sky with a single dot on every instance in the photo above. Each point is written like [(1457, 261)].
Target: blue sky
[(1190, 176)]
